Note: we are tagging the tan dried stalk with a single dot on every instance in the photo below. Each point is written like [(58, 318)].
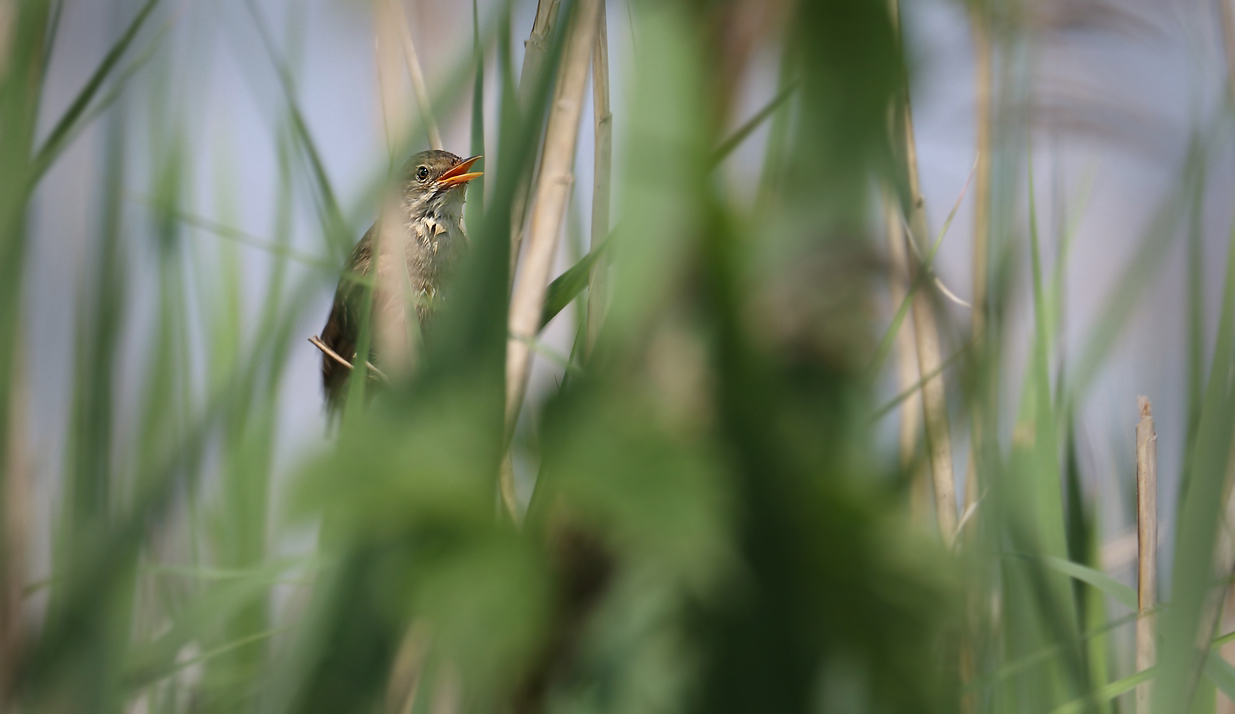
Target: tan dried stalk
[(399, 20), (552, 192), (980, 27), (930, 360), (601, 181), (536, 49), (536, 54), (907, 376), (1147, 547), (926, 333)]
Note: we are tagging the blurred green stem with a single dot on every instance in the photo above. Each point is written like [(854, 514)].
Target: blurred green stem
[(602, 180), (907, 376)]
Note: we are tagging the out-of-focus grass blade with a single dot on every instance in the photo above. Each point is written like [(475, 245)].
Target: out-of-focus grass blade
[(896, 401), (773, 170), (735, 140), (666, 153), (57, 139), (1110, 586), (1045, 438), (476, 192), (1195, 316), (1193, 593), (53, 32), (106, 101), (924, 272), (1106, 694), (1149, 254), (1022, 664), (150, 662), (568, 285), (337, 234), (278, 248), (1221, 673)]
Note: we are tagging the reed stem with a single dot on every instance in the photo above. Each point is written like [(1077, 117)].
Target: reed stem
[(601, 182), (549, 207), (535, 56), (1147, 547)]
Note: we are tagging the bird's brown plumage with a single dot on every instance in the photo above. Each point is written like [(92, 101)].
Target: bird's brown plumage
[(431, 208)]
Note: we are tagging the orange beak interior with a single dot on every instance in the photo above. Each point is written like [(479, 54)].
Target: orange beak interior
[(459, 174)]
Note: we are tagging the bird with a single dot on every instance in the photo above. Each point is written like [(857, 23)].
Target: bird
[(432, 190)]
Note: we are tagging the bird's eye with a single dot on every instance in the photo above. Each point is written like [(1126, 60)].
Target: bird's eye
[(422, 173)]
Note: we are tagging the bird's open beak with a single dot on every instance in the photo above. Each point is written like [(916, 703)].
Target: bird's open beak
[(458, 174)]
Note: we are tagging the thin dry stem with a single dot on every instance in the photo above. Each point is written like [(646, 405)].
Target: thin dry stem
[(926, 335), (373, 370), (980, 27), (602, 180), (552, 193), (418, 77), (537, 49), (1147, 546), (534, 58)]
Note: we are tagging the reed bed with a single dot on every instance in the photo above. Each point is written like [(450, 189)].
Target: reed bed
[(700, 510)]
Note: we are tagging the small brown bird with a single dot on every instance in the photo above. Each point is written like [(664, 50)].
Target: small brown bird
[(431, 214)]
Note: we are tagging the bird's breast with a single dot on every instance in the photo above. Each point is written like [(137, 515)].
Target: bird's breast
[(433, 249)]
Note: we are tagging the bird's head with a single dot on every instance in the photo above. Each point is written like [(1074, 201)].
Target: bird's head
[(435, 181)]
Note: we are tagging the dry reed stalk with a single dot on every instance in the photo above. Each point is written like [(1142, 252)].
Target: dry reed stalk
[(536, 54), (930, 360), (399, 19), (926, 332), (983, 59), (907, 375), (552, 192), (536, 48), (1147, 546), (316, 341), (602, 180)]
